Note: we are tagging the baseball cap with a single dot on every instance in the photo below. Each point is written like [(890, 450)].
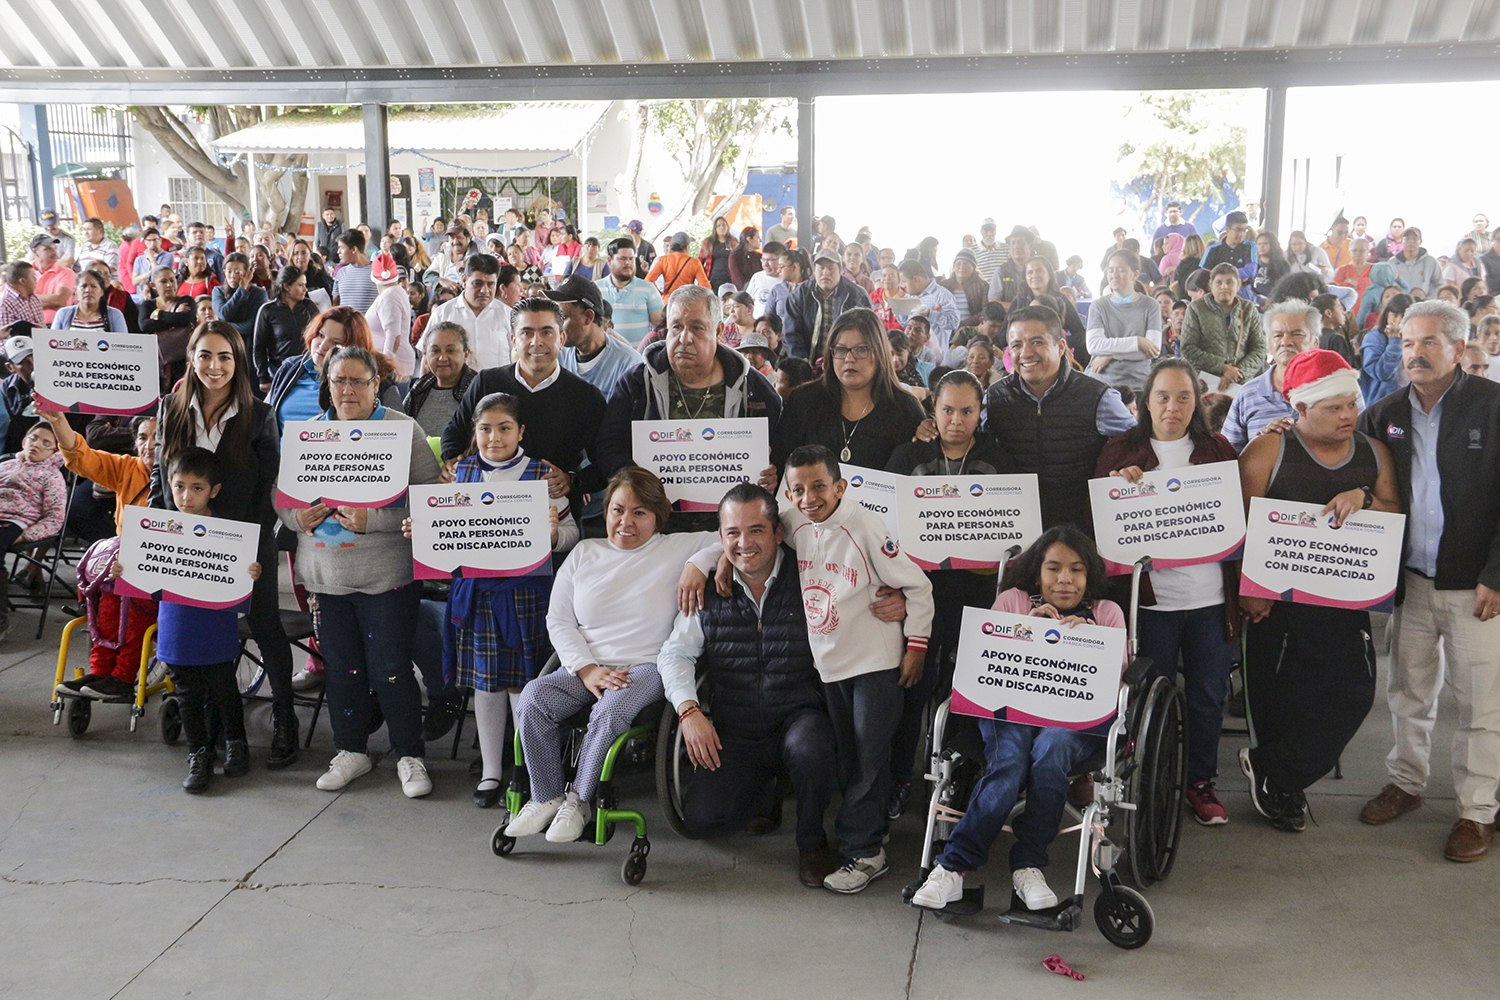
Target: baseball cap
[(49, 215), (987, 224), (456, 228), (756, 340), (580, 290), (728, 288), (17, 349), (826, 254), (634, 225), (44, 239)]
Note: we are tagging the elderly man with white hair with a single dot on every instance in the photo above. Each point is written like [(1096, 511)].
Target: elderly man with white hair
[(1291, 329), (1309, 670), (1444, 432)]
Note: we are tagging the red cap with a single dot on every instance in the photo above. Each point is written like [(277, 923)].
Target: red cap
[(1306, 374), (383, 269)]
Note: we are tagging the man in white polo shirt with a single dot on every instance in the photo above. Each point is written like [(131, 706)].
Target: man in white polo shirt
[(480, 311), (636, 303)]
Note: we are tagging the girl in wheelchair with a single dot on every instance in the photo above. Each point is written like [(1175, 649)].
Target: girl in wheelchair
[(1060, 577)]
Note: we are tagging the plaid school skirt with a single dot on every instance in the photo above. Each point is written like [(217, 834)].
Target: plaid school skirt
[(482, 659)]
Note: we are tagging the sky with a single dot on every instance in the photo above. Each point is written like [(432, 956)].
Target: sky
[(1413, 150)]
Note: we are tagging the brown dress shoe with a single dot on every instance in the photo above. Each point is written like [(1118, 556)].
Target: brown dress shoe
[(1392, 803), (816, 865), (1468, 840)]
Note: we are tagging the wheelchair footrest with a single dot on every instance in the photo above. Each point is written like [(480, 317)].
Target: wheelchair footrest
[(1065, 916)]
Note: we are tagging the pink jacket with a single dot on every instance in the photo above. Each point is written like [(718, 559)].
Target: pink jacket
[(1106, 612), (32, 494)]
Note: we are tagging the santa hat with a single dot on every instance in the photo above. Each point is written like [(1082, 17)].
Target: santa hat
[(383, 270), (1318, 375)]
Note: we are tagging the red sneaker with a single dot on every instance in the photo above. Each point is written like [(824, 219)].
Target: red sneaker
[(1207, 809)]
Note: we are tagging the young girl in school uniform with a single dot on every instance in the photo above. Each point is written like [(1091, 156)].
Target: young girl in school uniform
[(495, 629)]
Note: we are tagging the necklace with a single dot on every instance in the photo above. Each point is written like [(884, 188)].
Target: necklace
[(849, 432), (702, 402), (962, 461)]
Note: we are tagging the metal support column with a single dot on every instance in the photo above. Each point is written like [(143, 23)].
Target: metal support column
[(805, 181), (34, 132), (1275, 153), (377, 206)]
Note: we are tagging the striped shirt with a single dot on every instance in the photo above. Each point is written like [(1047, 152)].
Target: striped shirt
[(987, 260), (354, 288)]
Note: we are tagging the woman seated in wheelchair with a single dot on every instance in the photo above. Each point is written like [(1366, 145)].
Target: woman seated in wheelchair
[(613, 604), (1061, 577)]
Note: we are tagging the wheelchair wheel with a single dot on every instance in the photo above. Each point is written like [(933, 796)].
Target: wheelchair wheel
[(633, 871), (80, 711), (672, 767), (1124, 917), (1158, 780), (169, 719), (249, 675), (500, 844)]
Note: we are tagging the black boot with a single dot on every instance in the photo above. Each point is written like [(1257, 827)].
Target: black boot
[(200, 771), (283, 737), (236, 758)]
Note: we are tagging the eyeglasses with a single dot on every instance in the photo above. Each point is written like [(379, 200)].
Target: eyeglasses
[(860, 352), (352, 383)]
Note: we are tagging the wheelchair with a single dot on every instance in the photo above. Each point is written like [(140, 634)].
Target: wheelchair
[(634, 748), (78, 709), (1134, 821)]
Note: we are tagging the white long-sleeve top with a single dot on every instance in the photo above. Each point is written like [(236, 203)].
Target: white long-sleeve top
[(842, 562), (1113, 328), (615, 607), (390, 328)]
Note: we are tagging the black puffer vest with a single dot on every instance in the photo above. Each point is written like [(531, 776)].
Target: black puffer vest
[(1058, 439), (759, 668)]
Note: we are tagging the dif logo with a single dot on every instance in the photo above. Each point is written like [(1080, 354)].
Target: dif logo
[(1298, 519), (681, 434), (325, 436), (68, 344), (947, 491), (165, 525), (1134, 490), (456, 500), (1022, 632)]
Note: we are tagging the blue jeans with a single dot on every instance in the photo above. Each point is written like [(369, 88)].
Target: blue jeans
[(366, 641), (865, 712), (1207, 658), (1017, 757), (427, 647)]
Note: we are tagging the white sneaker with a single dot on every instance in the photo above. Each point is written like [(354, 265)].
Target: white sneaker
[(567, 826), (1031, 885), (857, 874), (344, 768), (413, 774), (533, 818), (941, 888), (306, 680)]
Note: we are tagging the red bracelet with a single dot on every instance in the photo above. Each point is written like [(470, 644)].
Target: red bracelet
[(687, 713)]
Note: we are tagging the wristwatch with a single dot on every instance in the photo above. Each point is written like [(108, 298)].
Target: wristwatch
[(1369, 498)]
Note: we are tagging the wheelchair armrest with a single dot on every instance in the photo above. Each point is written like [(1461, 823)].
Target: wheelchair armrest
[(1136, 672), (552, 665)]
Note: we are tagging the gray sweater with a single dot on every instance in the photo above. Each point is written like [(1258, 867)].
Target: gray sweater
[(331, 561)]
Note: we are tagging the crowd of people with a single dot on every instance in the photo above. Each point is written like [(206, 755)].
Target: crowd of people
[(1354, 373)]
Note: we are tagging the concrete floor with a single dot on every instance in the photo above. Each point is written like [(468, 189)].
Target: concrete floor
[(113, 883)]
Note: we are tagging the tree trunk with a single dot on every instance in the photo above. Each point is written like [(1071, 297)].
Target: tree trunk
[(226, 182), (637, 149)]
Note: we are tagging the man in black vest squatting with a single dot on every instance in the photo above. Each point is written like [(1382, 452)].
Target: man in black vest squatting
[(767, 698)]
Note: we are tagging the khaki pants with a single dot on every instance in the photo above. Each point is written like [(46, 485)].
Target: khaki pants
[(1436, 633)]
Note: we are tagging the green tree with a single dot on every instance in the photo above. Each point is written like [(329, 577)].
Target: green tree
[(1185, 145), (710, 141)]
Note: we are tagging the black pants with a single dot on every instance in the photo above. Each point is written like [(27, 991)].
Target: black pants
[(202, 685), (952, 591), (265, 622), (10, 534), (89, 517), (723, 801), (1309, 683)]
